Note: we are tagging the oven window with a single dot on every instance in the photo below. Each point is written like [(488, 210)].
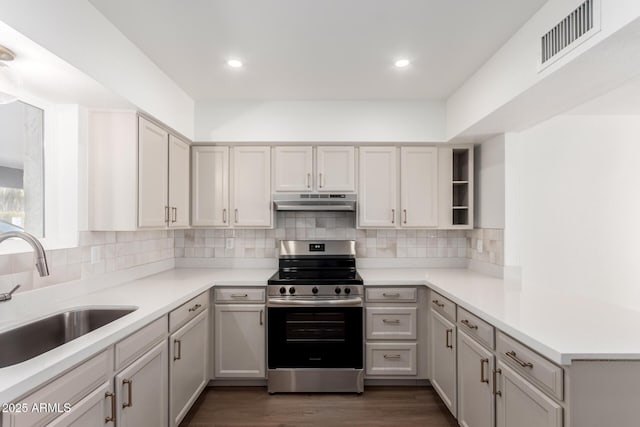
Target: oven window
[(315, 327)]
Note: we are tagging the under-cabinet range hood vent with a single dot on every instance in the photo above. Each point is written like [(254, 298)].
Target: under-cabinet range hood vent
[(575, 28), (315, 202)]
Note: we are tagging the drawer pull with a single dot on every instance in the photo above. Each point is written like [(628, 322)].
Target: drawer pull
[(405, 216), (391, 295), (308, 180), (166, 214), (496, 372), (392, 356), (512, 355), (236, 213), (239, 295), (261, 315), (438, 303), (177, 353), (195, 307), (392, 321), (393, 216), (224, 216), (112, 418), (468, 324), (174, 217), (448, 336), (129, 384), (482, 363)]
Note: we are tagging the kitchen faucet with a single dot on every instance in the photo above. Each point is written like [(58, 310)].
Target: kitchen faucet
[(41, 257)]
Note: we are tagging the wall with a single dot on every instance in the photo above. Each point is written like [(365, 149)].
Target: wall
[(572, 206), (115, 251), (76, 32), (489, 183), (320, 121)]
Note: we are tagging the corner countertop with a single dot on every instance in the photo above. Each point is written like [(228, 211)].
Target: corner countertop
[(561, 327)]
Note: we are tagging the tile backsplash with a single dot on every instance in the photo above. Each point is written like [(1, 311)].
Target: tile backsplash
[(113, 251), (492, 245)]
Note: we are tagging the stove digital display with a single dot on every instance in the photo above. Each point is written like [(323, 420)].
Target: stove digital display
[(316, 247)]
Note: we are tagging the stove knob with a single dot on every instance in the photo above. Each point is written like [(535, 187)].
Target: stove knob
[(338, 290), (347, 291), (283, 290), (314, 290), (292, 290)]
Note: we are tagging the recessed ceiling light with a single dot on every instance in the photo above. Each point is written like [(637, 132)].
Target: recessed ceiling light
[(402, 63), (234, 63)]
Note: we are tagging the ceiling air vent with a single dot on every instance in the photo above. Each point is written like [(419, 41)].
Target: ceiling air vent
[(575, 28)]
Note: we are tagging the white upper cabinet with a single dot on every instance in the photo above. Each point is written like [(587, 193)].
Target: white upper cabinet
[(294, 169), (332, 171), (178, 182), (210, 180), (251, 187), (419, 186), (377, 187), (153, 164), (336, 169)]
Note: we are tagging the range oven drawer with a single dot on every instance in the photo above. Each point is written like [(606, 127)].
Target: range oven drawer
[(315, 337)]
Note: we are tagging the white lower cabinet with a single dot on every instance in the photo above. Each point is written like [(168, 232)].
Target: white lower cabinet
[(188, 365), (240, 340), (443, 359), (141, 390), (519, 403), (90, 411), (475, 382)]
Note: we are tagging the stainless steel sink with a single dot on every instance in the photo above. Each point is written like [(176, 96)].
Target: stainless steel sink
[(33, 339)]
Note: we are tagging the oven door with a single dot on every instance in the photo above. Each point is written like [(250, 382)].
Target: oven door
[(315, 337)]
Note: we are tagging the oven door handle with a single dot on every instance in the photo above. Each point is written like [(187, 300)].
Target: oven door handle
[(357, 301)]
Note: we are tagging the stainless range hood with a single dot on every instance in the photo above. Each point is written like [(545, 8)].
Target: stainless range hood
[(315, 202)]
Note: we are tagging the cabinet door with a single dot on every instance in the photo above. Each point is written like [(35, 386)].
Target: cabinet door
[(336, 169), (419, 186), (93, 410), (141, 390), (178, 182), (251, 194), (293, 169), (520, 403), (210, 179), (378, 186), (443, 359), (153, 174), (240, 341), (475, 382), (189, 355)]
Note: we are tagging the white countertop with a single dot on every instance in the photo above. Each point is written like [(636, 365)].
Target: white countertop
[(562, 328)]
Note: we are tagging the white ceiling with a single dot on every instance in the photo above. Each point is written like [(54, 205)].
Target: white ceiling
[(318, 49)]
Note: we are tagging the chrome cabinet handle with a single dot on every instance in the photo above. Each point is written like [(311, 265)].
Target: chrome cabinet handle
[(112, 418), (129, 384), (391, 356), (392, 321), (195, 307), (177, 354), (224, 216), (482, 363), (166, 214), (174, 212), (496, 372), (393, 216), (239, 295), (236, 210), (512, 355), (308, 180), (448, 337), (320, 180), (468, 324), (438, 303), (261, 314), (393, 295), (405, 216)]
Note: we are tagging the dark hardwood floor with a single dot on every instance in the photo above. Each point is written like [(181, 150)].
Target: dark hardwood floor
[(377, 406)]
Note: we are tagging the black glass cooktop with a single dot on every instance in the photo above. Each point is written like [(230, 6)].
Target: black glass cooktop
[(316, 277)]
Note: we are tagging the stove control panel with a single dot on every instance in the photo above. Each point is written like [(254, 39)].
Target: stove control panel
[(316, 290)]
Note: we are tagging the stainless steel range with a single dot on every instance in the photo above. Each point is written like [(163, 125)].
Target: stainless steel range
[(315, 319)]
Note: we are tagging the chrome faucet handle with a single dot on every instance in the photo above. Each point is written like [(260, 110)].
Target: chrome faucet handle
[(7, 296)]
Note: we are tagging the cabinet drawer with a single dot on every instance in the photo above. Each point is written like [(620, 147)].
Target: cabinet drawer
[(188, 311), (477, 328), (71, 388), (392, 294), (391, 323), (137, 343), (391, 358), (239, 295), (545, 374), (444, 306)]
